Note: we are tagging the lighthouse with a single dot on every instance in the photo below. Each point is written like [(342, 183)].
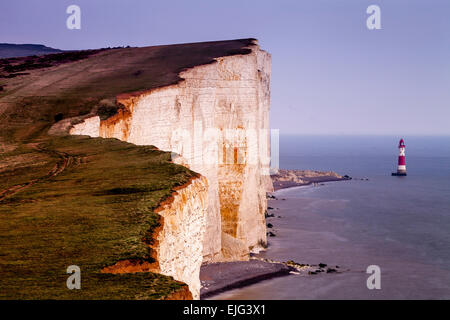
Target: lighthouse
[(401, 168)]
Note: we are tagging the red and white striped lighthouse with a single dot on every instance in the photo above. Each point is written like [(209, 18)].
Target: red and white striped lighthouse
[(401, 168)]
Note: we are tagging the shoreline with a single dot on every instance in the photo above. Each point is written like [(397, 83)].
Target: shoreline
[(318, 226), (220, 277)]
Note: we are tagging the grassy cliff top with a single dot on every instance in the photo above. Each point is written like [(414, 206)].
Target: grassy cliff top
[(75, 200)]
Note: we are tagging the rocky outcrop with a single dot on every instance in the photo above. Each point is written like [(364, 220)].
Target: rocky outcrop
[(88, 127), (293, 178)]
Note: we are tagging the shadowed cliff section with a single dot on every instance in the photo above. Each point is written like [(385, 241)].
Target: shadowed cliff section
[(77, 200)]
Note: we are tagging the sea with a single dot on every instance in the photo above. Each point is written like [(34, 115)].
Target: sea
[(400, 225)]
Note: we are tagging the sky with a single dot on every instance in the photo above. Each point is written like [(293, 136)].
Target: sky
[(330, 73)]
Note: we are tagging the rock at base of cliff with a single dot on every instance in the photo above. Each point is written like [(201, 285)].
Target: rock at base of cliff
[(232, 250)]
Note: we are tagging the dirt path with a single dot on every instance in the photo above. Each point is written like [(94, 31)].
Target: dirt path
[(65, 161)]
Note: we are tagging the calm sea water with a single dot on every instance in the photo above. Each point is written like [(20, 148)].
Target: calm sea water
[(401, 224)]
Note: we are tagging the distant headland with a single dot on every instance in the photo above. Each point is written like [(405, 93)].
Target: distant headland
[(295, 178)]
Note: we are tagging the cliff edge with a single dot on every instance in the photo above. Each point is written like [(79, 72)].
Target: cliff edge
[(206, 104), (217, 119)]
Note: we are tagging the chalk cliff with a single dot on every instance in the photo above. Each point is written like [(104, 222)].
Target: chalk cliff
[(216, 122), (179, 242)]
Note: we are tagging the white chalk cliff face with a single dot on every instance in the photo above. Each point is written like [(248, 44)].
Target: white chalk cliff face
[(217, 120), (178, 240), (179, 250)]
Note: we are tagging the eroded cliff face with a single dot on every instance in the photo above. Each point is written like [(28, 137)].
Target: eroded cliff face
[(217, 120), (180, 241)]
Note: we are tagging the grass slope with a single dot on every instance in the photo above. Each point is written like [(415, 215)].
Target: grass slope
[(78, 200), (97, 211)]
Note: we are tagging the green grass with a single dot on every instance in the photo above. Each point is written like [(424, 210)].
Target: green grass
[(91, 215)]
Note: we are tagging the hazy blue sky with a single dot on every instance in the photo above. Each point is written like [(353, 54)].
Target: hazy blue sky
[(331, 75)]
